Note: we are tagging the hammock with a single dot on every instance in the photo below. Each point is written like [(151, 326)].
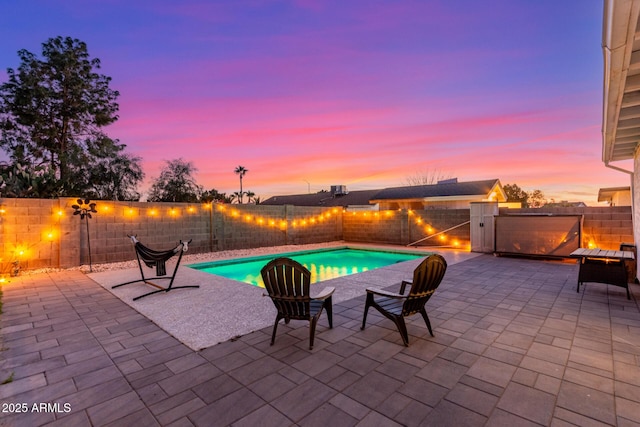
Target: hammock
[(158, 259)]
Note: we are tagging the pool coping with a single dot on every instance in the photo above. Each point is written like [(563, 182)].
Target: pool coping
[(202, 266), (372, 248)]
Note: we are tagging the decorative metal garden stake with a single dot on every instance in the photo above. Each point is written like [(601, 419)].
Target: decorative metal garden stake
[(84, 209)]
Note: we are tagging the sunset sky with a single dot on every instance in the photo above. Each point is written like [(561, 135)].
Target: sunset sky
[(310, 93)]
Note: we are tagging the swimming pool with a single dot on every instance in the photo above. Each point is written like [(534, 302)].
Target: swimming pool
[(324, 264)]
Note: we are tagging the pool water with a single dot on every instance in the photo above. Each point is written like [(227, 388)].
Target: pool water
[(323, 264)]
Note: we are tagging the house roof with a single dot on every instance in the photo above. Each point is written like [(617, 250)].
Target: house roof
[(323, 198), (443, 190), (606, 194), (449, 190), (565, 204), (621, 48)]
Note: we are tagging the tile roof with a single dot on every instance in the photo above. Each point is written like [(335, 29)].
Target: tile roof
[(323, 198), (438, 190), (365, 197)]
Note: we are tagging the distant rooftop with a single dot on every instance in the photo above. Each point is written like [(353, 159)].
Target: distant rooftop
[(339, 196), (447, 188)]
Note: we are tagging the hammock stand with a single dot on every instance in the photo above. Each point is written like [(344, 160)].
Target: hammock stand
[(157, 259)]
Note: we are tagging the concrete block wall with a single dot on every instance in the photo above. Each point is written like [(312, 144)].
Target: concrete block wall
[(390, 227), (401, 227), (246, 226), (43, 233), (450, 225), (30, 231), (157, 225), (313, 224)]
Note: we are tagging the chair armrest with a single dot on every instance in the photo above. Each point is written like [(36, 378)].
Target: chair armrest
[(404, 284), (326, 293), (384, 293)]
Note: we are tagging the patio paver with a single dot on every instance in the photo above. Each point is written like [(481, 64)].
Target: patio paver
[(514, 345)]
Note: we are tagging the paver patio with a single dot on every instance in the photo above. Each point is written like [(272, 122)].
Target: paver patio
[(514, 345)]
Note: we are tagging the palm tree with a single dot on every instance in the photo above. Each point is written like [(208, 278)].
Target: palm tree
[(250, 196), (240, 171), (236, 196)]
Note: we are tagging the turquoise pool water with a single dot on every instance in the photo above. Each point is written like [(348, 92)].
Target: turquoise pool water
[(323, 264)]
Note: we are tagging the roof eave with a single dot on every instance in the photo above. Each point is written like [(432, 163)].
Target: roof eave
[(619, 32)]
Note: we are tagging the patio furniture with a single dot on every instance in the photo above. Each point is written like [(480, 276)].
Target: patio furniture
[(603, 266), (157, 259), (288, 284), (396, 306), (632, 267)]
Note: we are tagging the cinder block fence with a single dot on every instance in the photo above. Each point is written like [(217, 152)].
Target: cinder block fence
[(42, 233)]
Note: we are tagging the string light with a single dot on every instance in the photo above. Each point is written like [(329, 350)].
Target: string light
[(315, 220)]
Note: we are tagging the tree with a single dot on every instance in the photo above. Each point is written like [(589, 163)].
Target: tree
[(516, 194), (17, 180), (214, 195), (114, 175), (536, 199), (175, 183), (236, 196), (240, 171), (531, 199), (427, 177), (52, 114)]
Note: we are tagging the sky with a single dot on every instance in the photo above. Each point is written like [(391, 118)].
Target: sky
[(306, 94)]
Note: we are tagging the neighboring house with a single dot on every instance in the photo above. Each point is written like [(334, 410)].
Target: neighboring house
[(615, 196), (449, 194), (621, 109), (337, 197), (565, 204)]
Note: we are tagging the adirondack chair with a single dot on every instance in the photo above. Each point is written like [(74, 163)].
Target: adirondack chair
[(396, 306), (288, 284)]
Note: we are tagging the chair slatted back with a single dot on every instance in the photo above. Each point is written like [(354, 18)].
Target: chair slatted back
[(288, 283), (426, 279)]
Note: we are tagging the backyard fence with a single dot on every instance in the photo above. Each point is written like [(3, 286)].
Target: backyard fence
[(43, 233)]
